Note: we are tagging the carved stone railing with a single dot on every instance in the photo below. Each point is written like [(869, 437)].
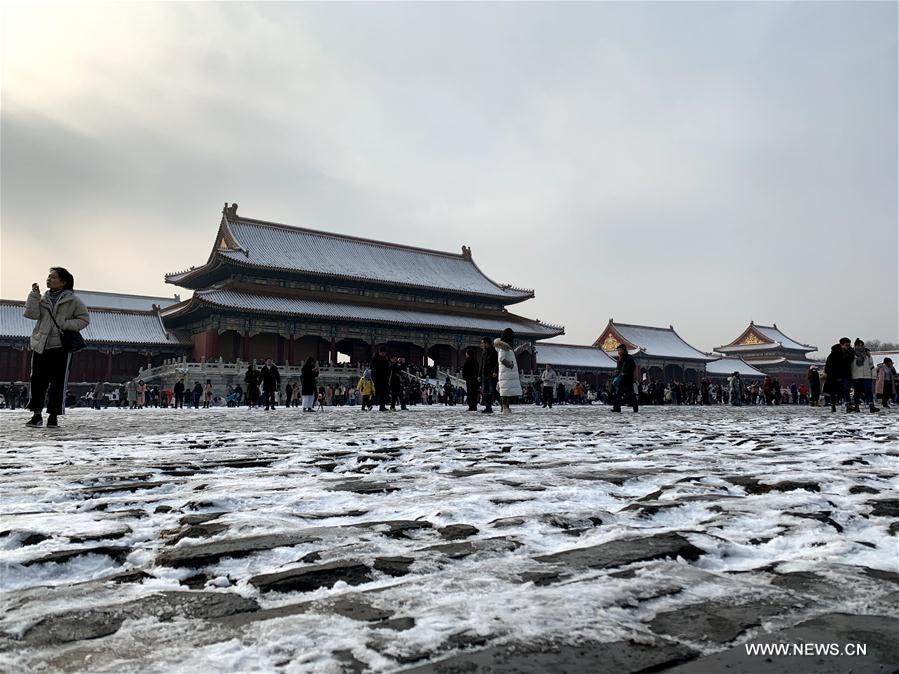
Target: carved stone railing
[(220, 372)]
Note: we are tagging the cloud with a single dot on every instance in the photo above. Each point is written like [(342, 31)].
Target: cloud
[(663, 163)]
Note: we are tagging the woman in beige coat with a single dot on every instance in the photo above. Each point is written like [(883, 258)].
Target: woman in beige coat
[(885, 383), (49, 360)]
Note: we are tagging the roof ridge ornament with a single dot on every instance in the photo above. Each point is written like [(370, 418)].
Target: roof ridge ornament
[(230, 211), (466, 252)]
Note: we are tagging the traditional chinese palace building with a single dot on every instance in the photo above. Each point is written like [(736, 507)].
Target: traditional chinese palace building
[(720, 370), (285, 292), (125, 333), (660, 352), (771, 351), (585, 363)]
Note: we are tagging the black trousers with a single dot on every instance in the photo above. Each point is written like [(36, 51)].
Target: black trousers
[(547, 394), (471, 394), (396, 395), (269, 397), (624, 392), (49, 375), (382, 392)]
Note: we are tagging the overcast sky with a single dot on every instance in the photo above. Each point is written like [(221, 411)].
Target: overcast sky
[(700, 164)]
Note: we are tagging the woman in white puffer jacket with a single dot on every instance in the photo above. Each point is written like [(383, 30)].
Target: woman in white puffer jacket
[(509, 380)]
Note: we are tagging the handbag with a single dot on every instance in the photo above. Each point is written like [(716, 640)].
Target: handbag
[(72, 340)]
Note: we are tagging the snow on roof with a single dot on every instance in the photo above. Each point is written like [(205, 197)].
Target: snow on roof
[(245, 241), (774, 334), (574, 356), (112, 327), (659, 342), (727, 366), (299, 306), (101, 300), (786, 361)]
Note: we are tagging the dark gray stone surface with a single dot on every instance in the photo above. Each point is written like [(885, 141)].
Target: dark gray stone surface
[(885, 507), (364, 487), (310, 578), (79, 624), (619, 657), (625, 551), (208, 553), (455, 532), (395, 528), (465, 548), (618, 477), (393, 566), (118, 553), (104, 490), (718, 621), (878, 634)]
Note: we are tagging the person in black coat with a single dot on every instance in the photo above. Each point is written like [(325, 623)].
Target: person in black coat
[(178, 390), (380, 374), (271, 381), (623, 380), (397, 381), (471, 370), (814, 385), (251, 379), (838, 373), (489, 374), (308, 387)]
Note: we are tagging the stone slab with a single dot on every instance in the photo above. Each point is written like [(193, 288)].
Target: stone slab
[(208, 553), (878, 634), (625, 551), (618, 657)]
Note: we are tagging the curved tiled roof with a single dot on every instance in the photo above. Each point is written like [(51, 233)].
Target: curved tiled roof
[(774, 334), (107, 327), (574, 356), (658, 342), (773, 338), (100, 300), (266, 245), (727, 366), (301, 306)]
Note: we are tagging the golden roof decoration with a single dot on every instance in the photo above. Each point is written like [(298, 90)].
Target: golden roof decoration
[(610, 343), (750, 340)]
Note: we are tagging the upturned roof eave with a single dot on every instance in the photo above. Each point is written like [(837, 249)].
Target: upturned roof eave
[(198, 302), (192, 279)]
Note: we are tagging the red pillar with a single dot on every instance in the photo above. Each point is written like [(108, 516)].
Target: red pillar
[(245, 346), (25, 374), (290, 350), (108, 366), (212, 344), (333, 354)]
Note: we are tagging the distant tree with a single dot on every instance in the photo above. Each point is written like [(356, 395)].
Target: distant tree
[(878, 345)]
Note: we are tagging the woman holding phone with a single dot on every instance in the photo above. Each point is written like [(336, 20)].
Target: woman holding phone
[(59, 309)]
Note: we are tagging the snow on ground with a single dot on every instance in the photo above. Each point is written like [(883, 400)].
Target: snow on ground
[(149, 540)]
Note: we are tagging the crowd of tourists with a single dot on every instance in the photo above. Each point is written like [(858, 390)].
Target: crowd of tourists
[(488, 377)]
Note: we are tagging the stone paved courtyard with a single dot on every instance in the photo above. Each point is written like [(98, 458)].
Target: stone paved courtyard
[(565, 540)]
